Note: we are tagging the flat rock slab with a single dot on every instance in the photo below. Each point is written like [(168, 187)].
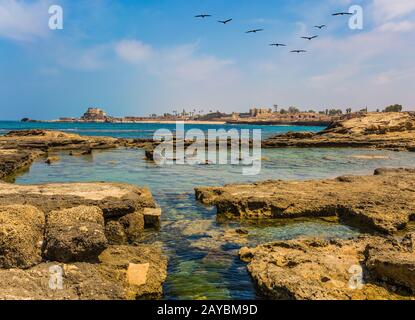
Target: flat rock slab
[(383, 202), (114, 199), (124, 272), (394, 131), (12, 160), (47, 140), (315, 269)]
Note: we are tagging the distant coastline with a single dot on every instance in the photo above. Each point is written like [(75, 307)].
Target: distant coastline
[(255, 116), (202, 122)]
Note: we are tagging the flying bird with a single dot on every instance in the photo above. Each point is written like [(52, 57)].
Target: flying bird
[(309, 38), (225, 21), (254, 31), (342, 14), (298, 51), (321, 27), (278, 45), (203, 16)]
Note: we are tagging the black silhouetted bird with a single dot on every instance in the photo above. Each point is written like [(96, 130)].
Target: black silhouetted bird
[(225, 21), (309, 38), (254, 31), (298, 51), (203, 16), (321, 27), (278, 45), (342, 14)]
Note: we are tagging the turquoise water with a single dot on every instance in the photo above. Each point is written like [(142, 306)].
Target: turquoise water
[(202, 250), (136, 130)]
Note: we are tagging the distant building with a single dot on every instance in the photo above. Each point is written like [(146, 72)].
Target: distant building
[(95, 115), (257, 112)]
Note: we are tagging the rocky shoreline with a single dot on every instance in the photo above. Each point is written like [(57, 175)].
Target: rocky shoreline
[(392, 131), (384, 202), (88, 234), (387, 131), (91, 233), (365, 268), (308, 269)]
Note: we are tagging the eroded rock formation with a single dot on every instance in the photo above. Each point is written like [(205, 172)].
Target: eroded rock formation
[(368, 267), (60, 230), (383, 202), (395, 131)]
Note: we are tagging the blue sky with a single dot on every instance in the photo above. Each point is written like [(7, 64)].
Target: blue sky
[(152, 56)]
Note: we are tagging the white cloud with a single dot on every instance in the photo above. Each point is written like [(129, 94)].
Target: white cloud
[(386, 10), (89, 59), (180, 63), (133, 51), (23, 21), (402, 26)]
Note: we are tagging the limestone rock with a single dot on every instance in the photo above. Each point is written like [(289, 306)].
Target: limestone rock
[(315, 269), (115, 233), (124, 272), (21, 236), (133, 225), (383, 202), (75, 235), (142, 268), (13, 160), (394, 263), (152, 217), (47, 140), (114, 199), (395, 131)]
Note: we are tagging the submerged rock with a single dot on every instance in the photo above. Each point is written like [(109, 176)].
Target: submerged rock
[(21, 236), (52, 159), (383, 202)]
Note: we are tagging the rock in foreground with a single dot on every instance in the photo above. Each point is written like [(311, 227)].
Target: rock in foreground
[(21, 236), (124, 272), (383, 202), (75, 234), (114, 199), (54, 243), (315, 269)]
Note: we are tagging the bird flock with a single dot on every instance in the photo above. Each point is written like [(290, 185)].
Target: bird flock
[(320, 27)]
